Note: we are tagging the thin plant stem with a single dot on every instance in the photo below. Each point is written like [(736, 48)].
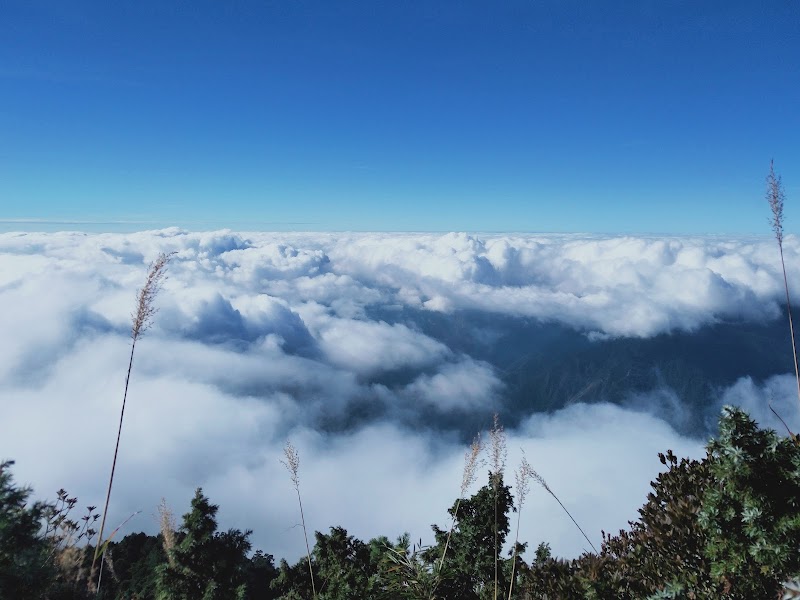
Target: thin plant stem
[(789, 431), (522, 475), (292, 464), (308, 550), (574, 521), (495, 544), (514, 557), (791, 324), (540, 480), (142, 319), (775, 198), (498, 458), (105, 546), (449, 535), (113, 469), (471, 462)]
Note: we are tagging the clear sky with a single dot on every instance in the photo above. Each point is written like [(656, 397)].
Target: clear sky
[(534, 115)]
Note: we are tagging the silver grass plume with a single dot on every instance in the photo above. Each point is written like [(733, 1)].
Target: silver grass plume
[(142, 318), (776, 198), (292, 464)]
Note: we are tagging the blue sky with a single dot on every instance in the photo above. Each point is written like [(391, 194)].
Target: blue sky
[(651, 116)]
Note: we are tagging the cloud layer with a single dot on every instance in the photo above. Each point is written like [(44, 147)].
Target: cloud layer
[(379, 355)]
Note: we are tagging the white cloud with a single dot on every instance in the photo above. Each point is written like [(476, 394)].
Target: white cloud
[(780, 392), (262, 336), (464, 385), (367, 347)]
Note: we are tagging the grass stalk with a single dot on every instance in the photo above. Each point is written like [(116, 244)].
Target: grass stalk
[(522, 478), (540, 480), (497, 438), (142, 319), (776, 198), (166, 522), (292, 464), (471, 461)]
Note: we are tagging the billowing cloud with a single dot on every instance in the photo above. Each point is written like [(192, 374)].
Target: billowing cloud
[(367, 347), (380, 355), (467, 385)]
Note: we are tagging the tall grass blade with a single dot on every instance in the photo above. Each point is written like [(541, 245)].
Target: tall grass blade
[(292, 464), (498, 454), (522, 479), (471, 462), (776, 198), (142, 319)]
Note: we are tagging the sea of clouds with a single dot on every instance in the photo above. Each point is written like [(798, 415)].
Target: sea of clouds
[(264, 337)]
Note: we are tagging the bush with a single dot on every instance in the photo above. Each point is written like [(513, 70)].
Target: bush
[(26, 569), (724, 527)]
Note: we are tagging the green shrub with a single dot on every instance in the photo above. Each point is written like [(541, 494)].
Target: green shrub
[(205, 564), (26, 569)]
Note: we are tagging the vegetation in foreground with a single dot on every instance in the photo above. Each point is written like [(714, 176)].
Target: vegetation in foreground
[(726, 526)]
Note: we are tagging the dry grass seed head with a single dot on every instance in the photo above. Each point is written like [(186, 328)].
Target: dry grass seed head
[(292, 463), (775, 197), (69, 559), (471, 462), (110, 565), (166, 522), (145, 299), (522, 477), (498, 452), (540, 480)]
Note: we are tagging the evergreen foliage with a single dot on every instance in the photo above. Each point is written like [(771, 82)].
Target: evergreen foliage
[(413, 572), (344, 567), (205, 564), (261, 572), (470, 559), (666, 543), (25, 566), (726, 527), (134, 559), (751, 512)]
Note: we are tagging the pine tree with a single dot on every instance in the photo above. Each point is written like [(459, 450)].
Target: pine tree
[(205, 565), (470, 560), (25, 567), (751, 514)]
